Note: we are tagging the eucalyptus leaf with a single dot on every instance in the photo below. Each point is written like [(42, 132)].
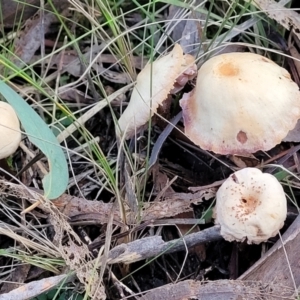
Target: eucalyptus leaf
[(55, 182)]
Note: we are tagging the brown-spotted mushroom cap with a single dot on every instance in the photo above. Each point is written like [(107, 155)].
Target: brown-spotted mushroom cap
[(242, 103), (167, 74), (9, 130), (250, 205)]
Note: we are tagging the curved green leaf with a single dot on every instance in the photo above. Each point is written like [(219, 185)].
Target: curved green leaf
[(56, 181)]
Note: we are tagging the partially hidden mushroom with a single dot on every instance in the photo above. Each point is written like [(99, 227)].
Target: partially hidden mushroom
[(166, 75), (250, 205), (9, 130), (242, 103)]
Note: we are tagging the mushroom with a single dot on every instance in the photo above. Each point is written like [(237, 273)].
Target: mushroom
[(242, 103), (250, 205), (167, 74), (9, 130)]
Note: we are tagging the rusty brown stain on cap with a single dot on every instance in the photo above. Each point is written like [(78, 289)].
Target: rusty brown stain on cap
[(228, 69), (242, 137)]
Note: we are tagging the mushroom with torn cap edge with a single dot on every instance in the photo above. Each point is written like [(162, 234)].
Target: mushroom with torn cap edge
[(166, 75), (242, 103), (250, 205), (9, 130)]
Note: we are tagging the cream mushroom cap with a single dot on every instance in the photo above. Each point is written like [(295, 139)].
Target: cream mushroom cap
[(242, 103), (250, 205), (9, 130), (153, 85)]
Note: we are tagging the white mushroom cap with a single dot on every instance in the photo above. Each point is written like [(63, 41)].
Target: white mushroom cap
[(242, 103), (9, 130), (250, 205), (153, 85)]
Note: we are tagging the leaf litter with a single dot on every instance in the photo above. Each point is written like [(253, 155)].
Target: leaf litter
[(172, 170)]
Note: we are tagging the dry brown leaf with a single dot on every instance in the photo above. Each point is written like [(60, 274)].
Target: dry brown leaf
[(73, 95), (280, 265), (31, 37), (220, 290), (188, 31), (287, 18), (71, 63), (76, 254), (175, 204), (17, 277), (74, 206), (295, 54), (161, 183), (17, 11)]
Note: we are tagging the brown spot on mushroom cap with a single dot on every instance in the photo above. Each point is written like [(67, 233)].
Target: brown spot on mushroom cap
[(242, 137), (250, 203), (228, 69), (262, 102)]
